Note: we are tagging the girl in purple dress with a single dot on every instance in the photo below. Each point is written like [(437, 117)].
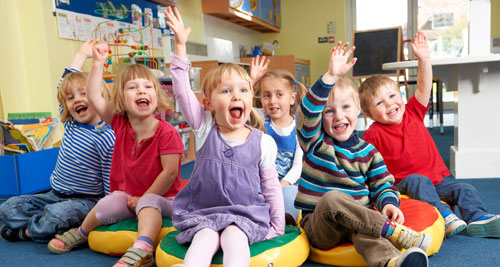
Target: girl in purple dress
[(233, 198)]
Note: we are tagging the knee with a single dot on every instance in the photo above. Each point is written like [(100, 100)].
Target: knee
[(414, 180), (149, 201), (465, 188)]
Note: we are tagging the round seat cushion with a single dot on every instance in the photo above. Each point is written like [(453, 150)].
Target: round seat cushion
[(419, 216), (290, 249), (115, 239)]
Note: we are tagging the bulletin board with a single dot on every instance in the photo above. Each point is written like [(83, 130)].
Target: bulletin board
[(374, 48)]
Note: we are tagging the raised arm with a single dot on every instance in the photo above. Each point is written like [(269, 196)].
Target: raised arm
[(94, 84), (258, 68), (424, 77), (190, 106), (84, 53), (311, 107)]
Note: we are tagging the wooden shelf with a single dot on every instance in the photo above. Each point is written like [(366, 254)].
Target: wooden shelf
[(222, 10)]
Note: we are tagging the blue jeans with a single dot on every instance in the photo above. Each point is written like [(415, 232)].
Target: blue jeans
[(462, 195), (289, 194), (44, 214)]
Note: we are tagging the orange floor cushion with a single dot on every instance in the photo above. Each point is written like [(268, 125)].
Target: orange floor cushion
[(419, 216)]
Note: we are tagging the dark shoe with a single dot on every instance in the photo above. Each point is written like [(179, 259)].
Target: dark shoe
[(9, 234)]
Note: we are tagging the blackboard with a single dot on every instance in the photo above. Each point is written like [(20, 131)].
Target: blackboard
[(374, 48)]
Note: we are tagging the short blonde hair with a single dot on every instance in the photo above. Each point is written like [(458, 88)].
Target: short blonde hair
[(131, 72), (346, 86), (370, 88), (293, 85), (217, 75), (71, 80)]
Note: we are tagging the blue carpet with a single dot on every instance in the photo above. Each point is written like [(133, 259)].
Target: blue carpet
[(458, 251)]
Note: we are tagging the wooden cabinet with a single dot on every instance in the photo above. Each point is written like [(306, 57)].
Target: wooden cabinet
[(259, 15), (298, 67)]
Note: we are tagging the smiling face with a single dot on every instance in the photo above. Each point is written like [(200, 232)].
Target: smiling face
[(277, 98), (140, 97), (387, 106), (231, 102), (78, 105), (340, 115)]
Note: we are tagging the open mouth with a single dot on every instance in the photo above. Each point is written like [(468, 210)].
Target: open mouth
[(80, 109), (274, 110), (393, 112), (340, 127), (236, 112), (142, 102)]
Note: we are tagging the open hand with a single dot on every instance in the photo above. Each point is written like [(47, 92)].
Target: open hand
[(258, 68), (175, 23), (86, 48), (420, 46), (338, 60)]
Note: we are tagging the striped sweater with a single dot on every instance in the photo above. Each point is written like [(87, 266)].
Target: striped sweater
[(353, 166), (84, 160)]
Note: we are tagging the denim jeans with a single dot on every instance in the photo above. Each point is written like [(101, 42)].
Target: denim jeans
[(289, 194), (462, 195), (44, 214), (338, 218)]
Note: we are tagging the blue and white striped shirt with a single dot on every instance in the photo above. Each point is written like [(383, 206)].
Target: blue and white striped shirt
[(84, 161)]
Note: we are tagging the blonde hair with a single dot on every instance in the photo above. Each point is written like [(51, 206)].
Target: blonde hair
[(370, 87), (289, 80), (346, 86), (131, 72), (216, 76)]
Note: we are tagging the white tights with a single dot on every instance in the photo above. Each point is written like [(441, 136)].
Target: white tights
[(206, 242)]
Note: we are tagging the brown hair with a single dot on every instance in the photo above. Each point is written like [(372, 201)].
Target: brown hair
[(292, 84), (71, 80), (215, 77), (131, 72), (370, 87), (345, 85)]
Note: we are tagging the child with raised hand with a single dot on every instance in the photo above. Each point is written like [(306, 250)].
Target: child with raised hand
[(344, 177), (81, 174), (221, 205), (412, 157), (278, 92), (146, 161)]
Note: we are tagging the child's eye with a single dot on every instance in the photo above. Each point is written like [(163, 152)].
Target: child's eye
[(149, 86), (69, 97), (392, 96), (346, 106), (328, 111), (379, 103), (132, 87), (266, 96), (226, 91), (244, 90), (279, 94)]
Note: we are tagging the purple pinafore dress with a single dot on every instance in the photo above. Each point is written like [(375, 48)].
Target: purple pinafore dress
[(223, 190)]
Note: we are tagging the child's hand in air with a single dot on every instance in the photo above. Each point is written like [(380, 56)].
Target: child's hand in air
[(394, 213), (175, 23), (100, 53), (338, 60), (86, 48), (420, 46), (258, 68)]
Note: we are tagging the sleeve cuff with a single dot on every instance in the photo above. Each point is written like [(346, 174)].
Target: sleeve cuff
[(179, 62)]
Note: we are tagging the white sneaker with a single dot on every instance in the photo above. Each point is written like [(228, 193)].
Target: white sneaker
[(453, 225), (485, 228)]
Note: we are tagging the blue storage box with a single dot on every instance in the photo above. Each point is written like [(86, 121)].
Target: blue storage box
[(26, 173)]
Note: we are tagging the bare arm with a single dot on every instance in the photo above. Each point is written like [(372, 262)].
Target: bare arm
[(424, 77), (94, 84)]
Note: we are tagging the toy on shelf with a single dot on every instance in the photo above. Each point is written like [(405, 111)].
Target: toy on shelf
[(127, 43)]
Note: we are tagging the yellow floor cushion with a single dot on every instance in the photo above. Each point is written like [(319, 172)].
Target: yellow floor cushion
[(290, 249), (419, 216), (116, 238)]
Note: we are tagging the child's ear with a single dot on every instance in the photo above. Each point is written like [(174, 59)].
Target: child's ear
[(293, 98), (207, 104)]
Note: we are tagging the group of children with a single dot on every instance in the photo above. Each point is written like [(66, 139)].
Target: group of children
[(118, 162)]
